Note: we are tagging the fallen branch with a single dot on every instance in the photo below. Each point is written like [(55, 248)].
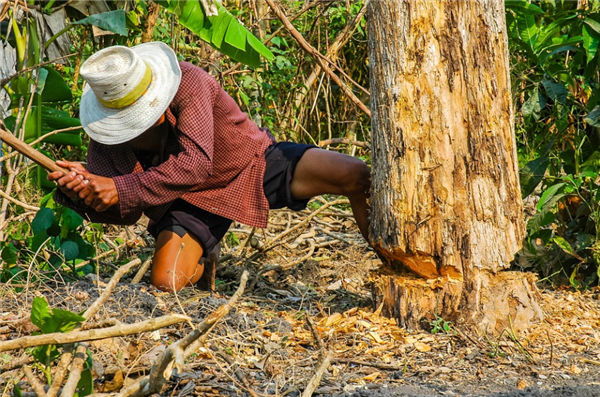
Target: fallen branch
[(344, 141), (59, 338), (145, 266), (16, 363), (175, 354), (34, 382), (310, 253), (75, 371), (278, 239), (316, 379), (61, 370), (92, 310), (374, 364)]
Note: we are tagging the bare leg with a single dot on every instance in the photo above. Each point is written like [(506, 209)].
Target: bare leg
[(325, 172), (175, 267)]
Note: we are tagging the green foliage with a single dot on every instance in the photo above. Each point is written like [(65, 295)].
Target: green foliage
[(60, 229), (555, 74), (113, 21), (53, 320), (222, 31), (57, 320), (60, 232), (439, 325)]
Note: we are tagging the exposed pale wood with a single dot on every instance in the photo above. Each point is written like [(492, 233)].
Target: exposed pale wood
[(415, 301), (445, 192)]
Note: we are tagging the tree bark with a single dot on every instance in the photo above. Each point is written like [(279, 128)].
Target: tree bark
[(445, 195), (148, 30)]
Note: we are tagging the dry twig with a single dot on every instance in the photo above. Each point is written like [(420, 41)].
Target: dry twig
[(34, 382), (75, 371), (92, 310), (59, 338), (316, 379), (324, 360), (143, 270), (176, 353)]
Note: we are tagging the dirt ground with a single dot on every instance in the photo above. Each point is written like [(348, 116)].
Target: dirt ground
[(313, 266)]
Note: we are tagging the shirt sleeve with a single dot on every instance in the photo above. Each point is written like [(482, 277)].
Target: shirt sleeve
[(192, 109), (112, 215)]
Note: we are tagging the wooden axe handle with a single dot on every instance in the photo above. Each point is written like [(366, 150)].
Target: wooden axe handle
[(30, 152)]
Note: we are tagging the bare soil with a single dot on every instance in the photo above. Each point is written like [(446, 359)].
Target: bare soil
[(321, 270)]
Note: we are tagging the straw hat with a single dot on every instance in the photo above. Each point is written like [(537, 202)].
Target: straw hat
[(127, 90)]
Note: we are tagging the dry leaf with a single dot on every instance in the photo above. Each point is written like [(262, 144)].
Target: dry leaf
[(372, 377), (422, 347), (364, 323), (115, 384), (397, 334), (333, 319), (351, 311), (155, 335)]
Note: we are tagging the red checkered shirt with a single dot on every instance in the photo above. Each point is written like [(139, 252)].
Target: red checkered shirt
[(212, 157)]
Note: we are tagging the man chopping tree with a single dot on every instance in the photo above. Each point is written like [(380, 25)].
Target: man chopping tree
[(166, 140)]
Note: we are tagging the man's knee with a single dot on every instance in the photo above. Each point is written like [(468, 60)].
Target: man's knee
[(357, 177)]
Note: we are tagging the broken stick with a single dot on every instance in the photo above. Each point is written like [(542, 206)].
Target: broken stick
[(92, 310), (75, 371), (59, 338)]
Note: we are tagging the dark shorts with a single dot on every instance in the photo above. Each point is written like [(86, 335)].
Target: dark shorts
[(183, 217)]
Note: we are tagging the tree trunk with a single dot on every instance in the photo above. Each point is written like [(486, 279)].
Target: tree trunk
[(445, 196)]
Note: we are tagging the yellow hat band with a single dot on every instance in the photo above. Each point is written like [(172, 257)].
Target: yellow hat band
[(134, 95)]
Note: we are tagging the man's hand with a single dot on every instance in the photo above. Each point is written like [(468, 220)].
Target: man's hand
[(73, 182), (98, 192)]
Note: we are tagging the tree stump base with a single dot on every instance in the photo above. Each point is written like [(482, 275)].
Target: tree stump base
[(488, 302)]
